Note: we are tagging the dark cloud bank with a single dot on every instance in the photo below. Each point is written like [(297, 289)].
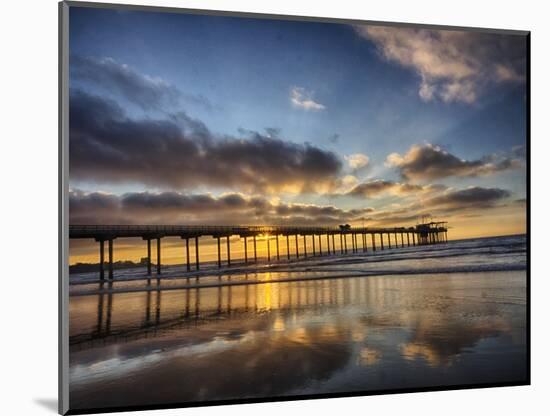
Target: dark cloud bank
[(377, 187), (106, 146), (475, 197), (466, 201), (233, 208), (175, 207), (428, 162)]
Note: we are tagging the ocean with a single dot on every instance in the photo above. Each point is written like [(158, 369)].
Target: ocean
[(402, 318)]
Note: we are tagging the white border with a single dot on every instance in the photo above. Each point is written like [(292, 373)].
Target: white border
[(29, 208)]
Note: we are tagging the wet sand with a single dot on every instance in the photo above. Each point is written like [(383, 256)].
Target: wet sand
[(293, 338)]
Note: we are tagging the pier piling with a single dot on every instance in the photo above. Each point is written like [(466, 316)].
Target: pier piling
[(188, 263), (421, 234), (149, 257), (158, 256), (110, 258), (197, 261), (219, 253), (101, 259), (228, 251)]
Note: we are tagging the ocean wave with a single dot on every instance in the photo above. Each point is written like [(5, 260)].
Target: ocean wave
[(307, 276), (466, 256)]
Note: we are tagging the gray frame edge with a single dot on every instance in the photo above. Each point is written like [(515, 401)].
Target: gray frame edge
[(63, 209), (253, 15)]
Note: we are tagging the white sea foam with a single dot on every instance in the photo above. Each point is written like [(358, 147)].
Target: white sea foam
[(474, 255)]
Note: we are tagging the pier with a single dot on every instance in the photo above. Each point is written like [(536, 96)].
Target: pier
[(352, 240)]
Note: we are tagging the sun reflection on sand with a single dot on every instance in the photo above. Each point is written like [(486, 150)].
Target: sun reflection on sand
[(369, 356), (291, 337)]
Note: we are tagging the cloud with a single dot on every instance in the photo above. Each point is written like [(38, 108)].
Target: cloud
[(375, 188), (241, 209), (357, 161), (99, 202), (427, 161), (303, 99), (180, 208), (346, 183), (466, 201), (453, 66), (473, 197), (144, 91), (106, 146), (519, 152)]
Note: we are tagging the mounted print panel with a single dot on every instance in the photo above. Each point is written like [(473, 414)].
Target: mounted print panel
[(263, 208)]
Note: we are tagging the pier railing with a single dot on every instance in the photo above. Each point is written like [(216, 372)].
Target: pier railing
[(98, 231)]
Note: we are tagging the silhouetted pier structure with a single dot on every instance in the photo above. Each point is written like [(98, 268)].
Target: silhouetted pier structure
[(357, 237)]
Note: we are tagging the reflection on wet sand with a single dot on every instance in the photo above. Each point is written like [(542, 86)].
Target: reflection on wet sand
[(199, 304), (296, 338)]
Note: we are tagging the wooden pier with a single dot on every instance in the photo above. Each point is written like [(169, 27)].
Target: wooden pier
[(351, 239)]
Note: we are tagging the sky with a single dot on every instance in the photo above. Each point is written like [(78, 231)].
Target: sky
[(188, 119)]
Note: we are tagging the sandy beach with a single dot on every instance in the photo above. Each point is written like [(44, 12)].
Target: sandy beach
[(310, 336)]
